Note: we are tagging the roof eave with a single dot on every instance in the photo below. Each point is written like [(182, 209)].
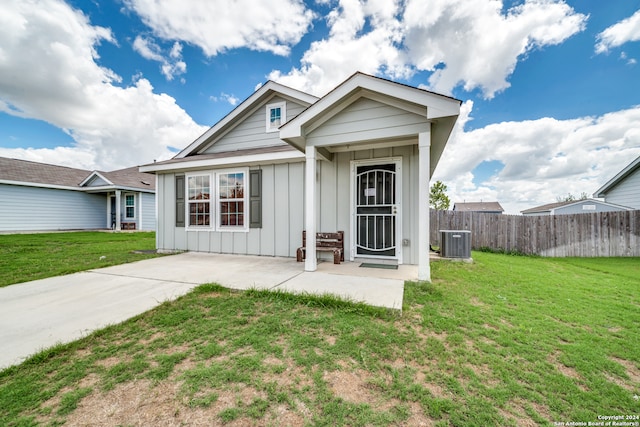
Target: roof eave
[(630, 168), (264, 92)]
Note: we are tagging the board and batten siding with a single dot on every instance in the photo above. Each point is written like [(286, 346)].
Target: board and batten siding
[(24, 208), (367, 119), (627, 192), (251, 132), (283, 208), (282, 218), (334, 194)]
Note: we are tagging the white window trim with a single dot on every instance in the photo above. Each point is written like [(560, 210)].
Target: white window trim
[(214, 201), (188, 202), (127, 206), (283, 115), (232, 228)]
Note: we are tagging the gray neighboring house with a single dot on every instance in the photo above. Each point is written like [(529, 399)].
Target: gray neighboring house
[(43, 197), (574, 207), (482, 207), (357, 160), (624, 188)]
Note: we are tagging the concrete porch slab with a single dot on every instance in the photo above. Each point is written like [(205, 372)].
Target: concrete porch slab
[(374, 291)]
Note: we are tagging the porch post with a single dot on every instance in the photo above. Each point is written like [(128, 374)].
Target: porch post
[(424, 146), (108, 211), (118, 222), (310, 263)]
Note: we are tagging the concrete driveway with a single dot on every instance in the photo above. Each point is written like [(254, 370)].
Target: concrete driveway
[(39, 314)]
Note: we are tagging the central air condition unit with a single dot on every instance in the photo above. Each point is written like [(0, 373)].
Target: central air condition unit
[(455, 243)]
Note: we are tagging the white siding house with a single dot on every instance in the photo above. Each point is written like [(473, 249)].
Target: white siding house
[(624, 188), (574, 207), (357, 160), (42, 197)]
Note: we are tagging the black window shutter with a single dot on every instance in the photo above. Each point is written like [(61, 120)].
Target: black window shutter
[(255, 198), (179, 200)]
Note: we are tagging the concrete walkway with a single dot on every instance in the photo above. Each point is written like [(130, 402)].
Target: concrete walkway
[(42, 313)]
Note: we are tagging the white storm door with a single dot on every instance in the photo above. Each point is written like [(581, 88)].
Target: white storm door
[(377, 206)]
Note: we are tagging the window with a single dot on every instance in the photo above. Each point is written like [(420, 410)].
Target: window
[(199, 192), (129, 206), (232, 200), (276, 116), (219, 200)]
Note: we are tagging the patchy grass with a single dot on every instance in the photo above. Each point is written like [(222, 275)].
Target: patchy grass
[(25, 257), (513, 341)]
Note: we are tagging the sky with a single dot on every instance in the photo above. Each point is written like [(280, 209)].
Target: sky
[(550, 89)]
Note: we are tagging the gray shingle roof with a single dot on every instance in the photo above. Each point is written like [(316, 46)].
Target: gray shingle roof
[(548, 207), (46, 174)]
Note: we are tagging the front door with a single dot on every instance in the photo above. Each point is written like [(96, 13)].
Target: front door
[(376, 210)]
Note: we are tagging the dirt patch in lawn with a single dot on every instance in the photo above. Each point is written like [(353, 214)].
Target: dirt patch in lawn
[(632, 372)]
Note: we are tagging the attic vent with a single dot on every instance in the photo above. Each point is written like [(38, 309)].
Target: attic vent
[(145, 182)]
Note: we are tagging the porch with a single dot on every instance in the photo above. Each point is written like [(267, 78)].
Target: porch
[(378, 287)]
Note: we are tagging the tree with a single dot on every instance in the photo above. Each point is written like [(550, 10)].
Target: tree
[(571, 198), (438, 198)]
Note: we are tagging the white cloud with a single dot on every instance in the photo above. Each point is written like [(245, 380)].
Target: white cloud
[(543, 159), (233, 100), (618, 34), (475, 44), (218, 25), (149, 49), (351, 48), (466, 42), (48, 72)]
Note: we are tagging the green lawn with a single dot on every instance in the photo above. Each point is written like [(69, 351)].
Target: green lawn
[(507, 340), (25, 257)]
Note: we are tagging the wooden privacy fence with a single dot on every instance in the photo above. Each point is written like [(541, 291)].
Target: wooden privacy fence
[(601, 234)]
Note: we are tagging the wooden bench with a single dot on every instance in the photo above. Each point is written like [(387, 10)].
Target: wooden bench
[(325, 242), (127, 225)]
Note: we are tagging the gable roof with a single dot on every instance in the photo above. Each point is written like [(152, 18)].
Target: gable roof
[(441, 110), (15, 171), (478, 207), (260, 96), (628, 170), (549, 207), (40, 173)]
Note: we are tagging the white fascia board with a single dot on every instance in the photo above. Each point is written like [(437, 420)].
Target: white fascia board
[(94, 174), (106, 188), (242, 108), (616, 179), (225, 161), (437, 105), (35, 184)]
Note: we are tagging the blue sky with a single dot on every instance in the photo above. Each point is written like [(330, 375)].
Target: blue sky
[(550, 88)]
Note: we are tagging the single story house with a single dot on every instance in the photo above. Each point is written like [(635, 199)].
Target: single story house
[(482, 207), (43, 197), (357, 160), (624, 188), (574, 207)]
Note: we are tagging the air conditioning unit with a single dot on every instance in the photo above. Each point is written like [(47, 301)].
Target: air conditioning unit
[(455, 243)]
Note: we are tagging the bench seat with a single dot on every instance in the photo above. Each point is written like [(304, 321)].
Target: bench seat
[(325, 242)]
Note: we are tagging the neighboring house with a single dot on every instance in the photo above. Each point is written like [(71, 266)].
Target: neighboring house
[(482, 207), (624, 188), (357, 160), (42, 197), (574, 207)]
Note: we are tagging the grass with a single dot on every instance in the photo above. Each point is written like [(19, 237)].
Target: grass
[(26, 257), (503, 341)]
